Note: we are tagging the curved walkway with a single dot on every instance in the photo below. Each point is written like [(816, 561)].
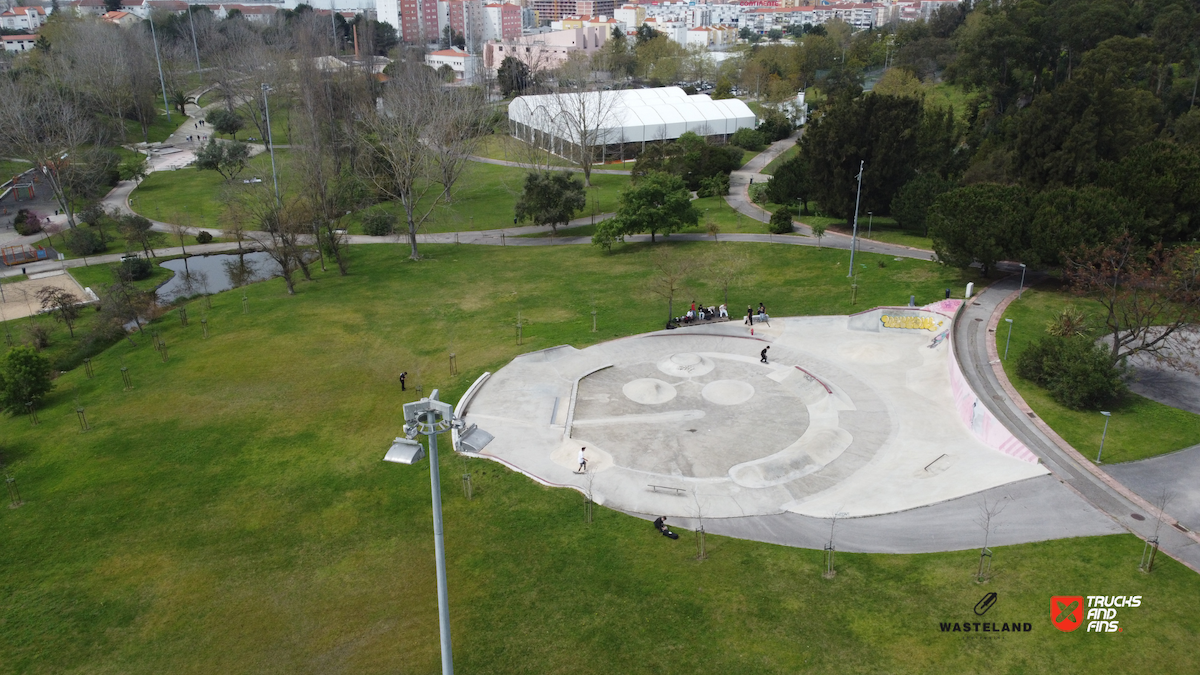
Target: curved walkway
[(976, 350), (522, 165)]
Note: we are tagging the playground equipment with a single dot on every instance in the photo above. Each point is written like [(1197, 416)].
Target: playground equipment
[(17, 255)]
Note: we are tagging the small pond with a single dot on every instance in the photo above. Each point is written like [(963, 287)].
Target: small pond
[(215, 273)]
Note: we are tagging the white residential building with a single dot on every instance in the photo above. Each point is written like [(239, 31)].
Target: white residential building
[(23, 18), (463, 64)]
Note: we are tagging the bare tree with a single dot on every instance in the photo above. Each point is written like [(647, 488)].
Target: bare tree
[(1151, 298), (396, 156), (670, 272), (284, 226), (455, 134), (582, 118), (50, 128), (988, 513), (61, 304), (725, 266)]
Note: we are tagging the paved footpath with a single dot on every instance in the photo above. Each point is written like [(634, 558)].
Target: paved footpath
[(976, 351)]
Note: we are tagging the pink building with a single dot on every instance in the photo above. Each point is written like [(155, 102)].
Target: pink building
[(545, 51)]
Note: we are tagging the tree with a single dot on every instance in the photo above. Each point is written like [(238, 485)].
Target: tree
[(690, 157), (1064, 219), (396, 156), (818, 230), (1163, 181), (48, 127), (386, 37), (123, 303), (513, 76), (670, 271), (790, 183), (180, 100), (138, 230), (225, 122), (724, 267), (882, 130), (135, 168), (26, 378), (978, 224), (551, 198), (583, 118), (910, 206), (1151, 298), (659, 202), (781, 221), (228, 159), (62, 304)]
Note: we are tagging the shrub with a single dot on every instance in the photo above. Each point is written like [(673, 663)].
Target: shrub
[(1077, 372), (748, 139), (38, 336), (714, 186), (135, 269), (775, 126), (83, 242), (204, 237), (781, 221), (26, 377), (379, 224), (758, 193), (27, 223)]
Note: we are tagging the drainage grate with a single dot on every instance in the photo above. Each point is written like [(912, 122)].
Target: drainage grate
[(1181, 528), (1032, 415), (1137, 516), (979, 319)]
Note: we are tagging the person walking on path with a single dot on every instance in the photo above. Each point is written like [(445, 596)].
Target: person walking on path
[(763, 354), (402, 376), (749, 316), (582, 461)]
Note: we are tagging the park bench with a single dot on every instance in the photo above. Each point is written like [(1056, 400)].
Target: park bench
[(679, 492)]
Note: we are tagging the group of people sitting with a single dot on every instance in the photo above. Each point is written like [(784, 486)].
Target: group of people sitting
[(700, 313)]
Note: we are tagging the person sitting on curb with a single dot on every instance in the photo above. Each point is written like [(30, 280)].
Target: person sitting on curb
[(661, 525)]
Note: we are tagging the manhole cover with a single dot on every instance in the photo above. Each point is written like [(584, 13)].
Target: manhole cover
[(692, 430), (1137, 516), (976, 304)]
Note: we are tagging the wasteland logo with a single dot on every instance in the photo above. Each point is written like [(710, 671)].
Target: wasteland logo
[(986, 603)]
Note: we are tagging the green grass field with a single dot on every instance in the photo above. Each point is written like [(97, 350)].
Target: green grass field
[(157, 132), (199, 198), (1139, 427), (232, 513)]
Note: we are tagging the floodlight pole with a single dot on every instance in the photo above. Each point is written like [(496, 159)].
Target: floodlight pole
[(271, 143), (430, 417), (439, 552), (854, 236), (195, 48), (161, 81)]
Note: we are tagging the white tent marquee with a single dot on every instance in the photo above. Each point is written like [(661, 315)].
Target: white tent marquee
[(625, 116)]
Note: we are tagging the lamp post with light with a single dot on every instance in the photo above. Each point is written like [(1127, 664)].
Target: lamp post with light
[(1107, 417), (1022, 289), (1009, 340), (430, 417)]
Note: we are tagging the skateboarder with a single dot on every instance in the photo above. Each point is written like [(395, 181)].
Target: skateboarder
[(763, 354)]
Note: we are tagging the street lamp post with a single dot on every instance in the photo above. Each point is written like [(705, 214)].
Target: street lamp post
[(1009, 340), (271, 142), (158, 59), (430, 417), (854, 235), (870, 221), (1022, 289), (1107, 417)]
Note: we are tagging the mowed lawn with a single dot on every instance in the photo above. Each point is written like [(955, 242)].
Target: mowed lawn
[(1139, 427), (232, 513)]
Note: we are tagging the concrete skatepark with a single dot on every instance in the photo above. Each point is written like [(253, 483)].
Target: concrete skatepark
[(866, 418)]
